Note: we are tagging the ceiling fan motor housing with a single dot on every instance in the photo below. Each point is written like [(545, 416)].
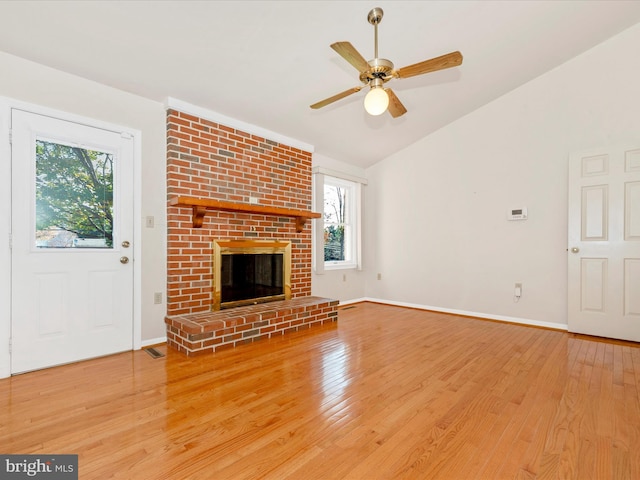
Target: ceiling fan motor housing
[(380, 68)]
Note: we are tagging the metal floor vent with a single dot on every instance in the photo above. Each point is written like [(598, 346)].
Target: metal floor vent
[(153, 352)]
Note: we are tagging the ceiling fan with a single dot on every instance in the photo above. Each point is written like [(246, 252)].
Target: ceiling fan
[(375, 73)]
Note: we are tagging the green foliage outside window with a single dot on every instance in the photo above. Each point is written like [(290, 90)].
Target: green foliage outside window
[(74, 191), (334, 243), (335, 202)]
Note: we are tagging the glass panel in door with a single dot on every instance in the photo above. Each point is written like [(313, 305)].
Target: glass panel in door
[(74, 196)]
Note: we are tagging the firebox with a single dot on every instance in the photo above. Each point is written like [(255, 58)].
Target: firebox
[(246, 272)]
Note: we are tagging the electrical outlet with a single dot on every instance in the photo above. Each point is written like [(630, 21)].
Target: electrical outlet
[(157, 298), (150, 221)]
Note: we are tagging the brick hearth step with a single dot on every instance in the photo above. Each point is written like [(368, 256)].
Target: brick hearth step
[(205, 332)]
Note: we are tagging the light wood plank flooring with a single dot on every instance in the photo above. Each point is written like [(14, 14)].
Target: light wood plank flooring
[(389, 393)]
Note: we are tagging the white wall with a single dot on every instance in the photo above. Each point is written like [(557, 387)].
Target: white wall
[(29, 82), (339, 284), (436, 212)]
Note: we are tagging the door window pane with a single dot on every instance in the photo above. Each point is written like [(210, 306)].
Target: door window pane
[(74, 197)]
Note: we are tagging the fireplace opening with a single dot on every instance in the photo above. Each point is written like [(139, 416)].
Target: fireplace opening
[(249, 272), (248, 276)]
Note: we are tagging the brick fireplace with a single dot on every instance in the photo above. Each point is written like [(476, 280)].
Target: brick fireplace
[(210, 162)]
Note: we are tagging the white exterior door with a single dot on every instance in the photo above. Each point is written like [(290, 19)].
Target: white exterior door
[(604, 243), (72, 228)]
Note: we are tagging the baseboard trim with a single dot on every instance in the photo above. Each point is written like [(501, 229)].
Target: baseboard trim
[(153, 341), (349, 302), (465, 313)]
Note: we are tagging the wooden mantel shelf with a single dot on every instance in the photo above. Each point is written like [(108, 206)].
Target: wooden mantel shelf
[(200, 207)]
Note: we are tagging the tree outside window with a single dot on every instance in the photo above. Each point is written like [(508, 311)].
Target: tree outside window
[(338, 217), (74, 196)]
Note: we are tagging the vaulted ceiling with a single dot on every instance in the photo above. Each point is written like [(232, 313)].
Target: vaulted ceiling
[(265, 62)]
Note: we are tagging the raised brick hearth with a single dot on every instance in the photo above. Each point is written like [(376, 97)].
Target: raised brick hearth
[(207, 160), (206, 332)]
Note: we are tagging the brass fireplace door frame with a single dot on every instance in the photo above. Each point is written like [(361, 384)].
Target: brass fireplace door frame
[(226, 247)]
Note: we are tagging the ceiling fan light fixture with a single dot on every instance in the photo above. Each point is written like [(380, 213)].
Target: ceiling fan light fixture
[(376, 101)]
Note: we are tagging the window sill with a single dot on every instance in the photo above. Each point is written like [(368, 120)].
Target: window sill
[(340, 266)]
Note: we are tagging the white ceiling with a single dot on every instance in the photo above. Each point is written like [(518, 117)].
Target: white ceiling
[(265, 62)]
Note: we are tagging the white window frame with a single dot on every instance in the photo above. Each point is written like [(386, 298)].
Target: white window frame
[(354, 187)]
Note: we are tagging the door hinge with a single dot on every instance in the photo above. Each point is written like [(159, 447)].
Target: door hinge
[(10, 241), (10, 345), (10, 137)]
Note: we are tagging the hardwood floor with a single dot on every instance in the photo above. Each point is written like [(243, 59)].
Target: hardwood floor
[(389, 393)]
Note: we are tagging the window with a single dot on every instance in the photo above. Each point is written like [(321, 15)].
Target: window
[(74, 196), (339, 215), (337, 236)]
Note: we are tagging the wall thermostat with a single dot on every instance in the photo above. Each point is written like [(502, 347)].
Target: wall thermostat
[(517, 213)]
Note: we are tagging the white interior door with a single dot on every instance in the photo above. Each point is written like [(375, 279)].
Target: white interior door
[(604, 243), (72, 227)]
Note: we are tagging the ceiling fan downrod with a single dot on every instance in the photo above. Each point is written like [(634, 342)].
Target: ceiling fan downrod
[(375, 17)]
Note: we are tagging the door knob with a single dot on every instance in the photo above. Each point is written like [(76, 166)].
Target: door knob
[(575, 250), (126, 244), (124, 259)]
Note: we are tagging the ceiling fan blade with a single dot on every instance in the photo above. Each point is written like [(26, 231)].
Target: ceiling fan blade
[(396, 108), (335, 98), (351, 55), (449, 60)]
